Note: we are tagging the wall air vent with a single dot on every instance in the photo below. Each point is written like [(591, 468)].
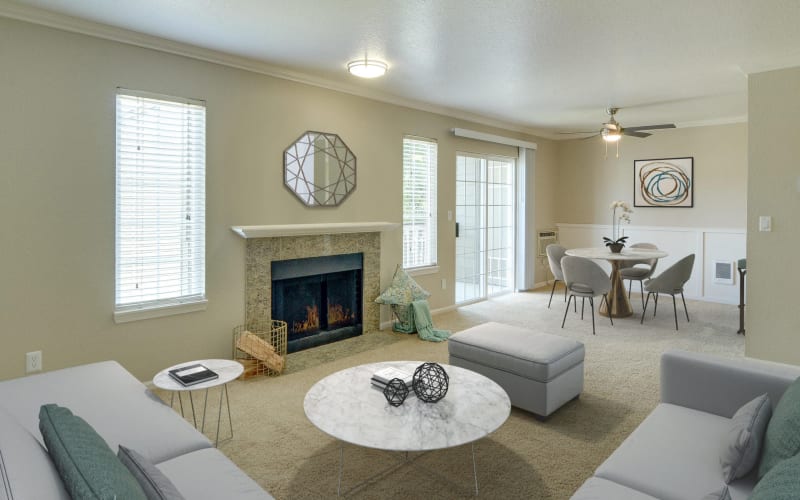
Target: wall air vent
[(723, 272), (546, 237)]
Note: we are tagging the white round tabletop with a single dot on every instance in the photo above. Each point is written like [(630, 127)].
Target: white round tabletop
[(226, 369), (346, 406), (626, 254)]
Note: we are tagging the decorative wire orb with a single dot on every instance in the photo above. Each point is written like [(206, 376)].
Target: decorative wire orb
[(395, 392), (430, 382)]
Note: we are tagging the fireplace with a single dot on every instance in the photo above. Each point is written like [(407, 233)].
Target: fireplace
[(319, 298)]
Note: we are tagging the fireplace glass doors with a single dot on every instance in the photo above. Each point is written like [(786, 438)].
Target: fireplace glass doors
[(319, 299)]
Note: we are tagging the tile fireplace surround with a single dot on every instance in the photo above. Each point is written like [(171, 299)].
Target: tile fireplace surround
[(266, 244)]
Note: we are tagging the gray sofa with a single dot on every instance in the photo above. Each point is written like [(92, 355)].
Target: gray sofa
[(674, 453), (123, 411)]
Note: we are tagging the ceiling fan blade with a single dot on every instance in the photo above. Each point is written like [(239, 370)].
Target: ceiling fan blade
[(585, 132), (635, 133), (651, 127), (590, 137)]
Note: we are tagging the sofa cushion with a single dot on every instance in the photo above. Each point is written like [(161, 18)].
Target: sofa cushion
[(26, 470), (723, 493), (523, 352), (673, 455), (87, 466), (210, 474), (119, 407), (782, 482), (155, 484), (596, 488), (783, 431), (741, 446)]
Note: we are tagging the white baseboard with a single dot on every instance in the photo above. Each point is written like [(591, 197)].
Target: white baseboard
[(440, 310)]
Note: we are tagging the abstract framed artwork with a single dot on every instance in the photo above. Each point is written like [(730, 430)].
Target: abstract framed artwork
[(665, 182)]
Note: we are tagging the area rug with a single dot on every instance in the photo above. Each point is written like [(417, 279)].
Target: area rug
[(526, 458)]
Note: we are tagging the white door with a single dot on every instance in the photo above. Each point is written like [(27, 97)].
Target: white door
[(485, 218)]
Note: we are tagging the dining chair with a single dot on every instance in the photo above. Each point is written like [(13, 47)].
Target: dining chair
[(639, 270), (670, 282), (554, 255), (586, 279)]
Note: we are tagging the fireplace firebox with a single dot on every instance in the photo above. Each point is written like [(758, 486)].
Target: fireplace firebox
[(319, 298)]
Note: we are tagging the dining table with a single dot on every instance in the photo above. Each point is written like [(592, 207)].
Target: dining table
[(617, 305)]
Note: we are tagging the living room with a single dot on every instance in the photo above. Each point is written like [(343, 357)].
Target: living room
[(61, 75)]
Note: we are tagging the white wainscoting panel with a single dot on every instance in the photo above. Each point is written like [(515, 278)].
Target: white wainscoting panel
[(708, 245)]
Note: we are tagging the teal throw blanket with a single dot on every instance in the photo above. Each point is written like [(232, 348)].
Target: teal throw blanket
[(424, 323)]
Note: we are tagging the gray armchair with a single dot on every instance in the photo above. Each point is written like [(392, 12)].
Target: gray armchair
[(554, 255), (585, 279), (670, 282), (639, 270)]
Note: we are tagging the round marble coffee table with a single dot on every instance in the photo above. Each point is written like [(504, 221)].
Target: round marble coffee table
[(226, 369), (347, 407)]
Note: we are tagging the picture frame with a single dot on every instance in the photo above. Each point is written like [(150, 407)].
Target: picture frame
[(664, 182)]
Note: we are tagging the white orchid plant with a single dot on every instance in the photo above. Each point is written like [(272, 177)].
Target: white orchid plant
[(616, 222)]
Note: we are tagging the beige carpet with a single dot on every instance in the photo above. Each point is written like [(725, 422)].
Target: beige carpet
[(277, 446)]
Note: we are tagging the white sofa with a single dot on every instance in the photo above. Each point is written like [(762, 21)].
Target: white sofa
[(123, 411), (674, 453)]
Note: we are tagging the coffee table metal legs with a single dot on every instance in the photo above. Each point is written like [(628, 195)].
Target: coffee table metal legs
[(223, 392), (404, 461)]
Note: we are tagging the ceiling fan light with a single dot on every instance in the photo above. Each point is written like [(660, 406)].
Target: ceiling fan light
[(367, 68), (611, 135)]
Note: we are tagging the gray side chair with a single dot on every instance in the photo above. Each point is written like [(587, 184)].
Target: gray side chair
[(585, 279), (554, 255), (670, 282), (639, 270)]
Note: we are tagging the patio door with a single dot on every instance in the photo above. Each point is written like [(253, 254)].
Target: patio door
[(485, 226)]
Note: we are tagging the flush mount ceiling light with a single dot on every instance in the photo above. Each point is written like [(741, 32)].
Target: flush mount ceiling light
[(367, 68)]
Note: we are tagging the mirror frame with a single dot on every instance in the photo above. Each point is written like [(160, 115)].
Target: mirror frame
[(313, 195)]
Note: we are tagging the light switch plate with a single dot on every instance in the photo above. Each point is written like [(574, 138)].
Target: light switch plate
[(765, 223)]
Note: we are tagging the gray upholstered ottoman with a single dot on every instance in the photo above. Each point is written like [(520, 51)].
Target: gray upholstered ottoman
[(540, 372)]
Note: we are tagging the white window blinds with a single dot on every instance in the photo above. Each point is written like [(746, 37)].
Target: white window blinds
[(160, 219), (419, 202)]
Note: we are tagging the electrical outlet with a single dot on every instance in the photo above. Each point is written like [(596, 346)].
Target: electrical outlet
[(33, 361)]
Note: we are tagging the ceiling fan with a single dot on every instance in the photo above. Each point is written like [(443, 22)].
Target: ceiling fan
[(612, 131)]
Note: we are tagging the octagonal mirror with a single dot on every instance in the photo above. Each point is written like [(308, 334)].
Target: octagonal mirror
[(319, 169)]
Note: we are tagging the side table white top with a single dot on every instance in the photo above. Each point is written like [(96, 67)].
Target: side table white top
[(346, 406), (226, 369)]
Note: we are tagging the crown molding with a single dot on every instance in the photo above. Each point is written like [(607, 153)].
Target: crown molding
[(72, 24)]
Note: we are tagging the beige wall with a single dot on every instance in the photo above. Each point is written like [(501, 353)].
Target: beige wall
[(588, 183), (57, 190), (773, 325)]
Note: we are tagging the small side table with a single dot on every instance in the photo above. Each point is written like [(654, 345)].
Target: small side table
[(226, 369)]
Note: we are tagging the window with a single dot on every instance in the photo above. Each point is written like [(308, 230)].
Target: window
[(160, 220), (419, 202)]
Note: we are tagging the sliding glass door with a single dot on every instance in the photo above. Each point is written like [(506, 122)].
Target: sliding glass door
[(485, 222)]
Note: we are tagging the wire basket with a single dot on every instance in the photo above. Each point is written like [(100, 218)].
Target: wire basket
[(404, 318), (260, 348)]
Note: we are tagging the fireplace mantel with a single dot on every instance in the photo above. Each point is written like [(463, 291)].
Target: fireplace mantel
[(248, 232)]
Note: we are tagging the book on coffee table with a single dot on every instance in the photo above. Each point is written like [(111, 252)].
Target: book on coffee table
[(192, 374), (382, 377)]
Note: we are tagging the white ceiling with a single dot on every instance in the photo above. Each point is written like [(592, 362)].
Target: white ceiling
[(546, 65)]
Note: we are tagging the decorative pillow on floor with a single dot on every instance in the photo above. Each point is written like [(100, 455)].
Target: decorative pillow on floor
[(782, 440), (155, 484), (782, 482), (402, 290), (742, 444), (87, 466)]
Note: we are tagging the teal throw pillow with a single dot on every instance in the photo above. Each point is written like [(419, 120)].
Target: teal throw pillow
[(782, 440), (402, 290), (782, 482), (87, 466)]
